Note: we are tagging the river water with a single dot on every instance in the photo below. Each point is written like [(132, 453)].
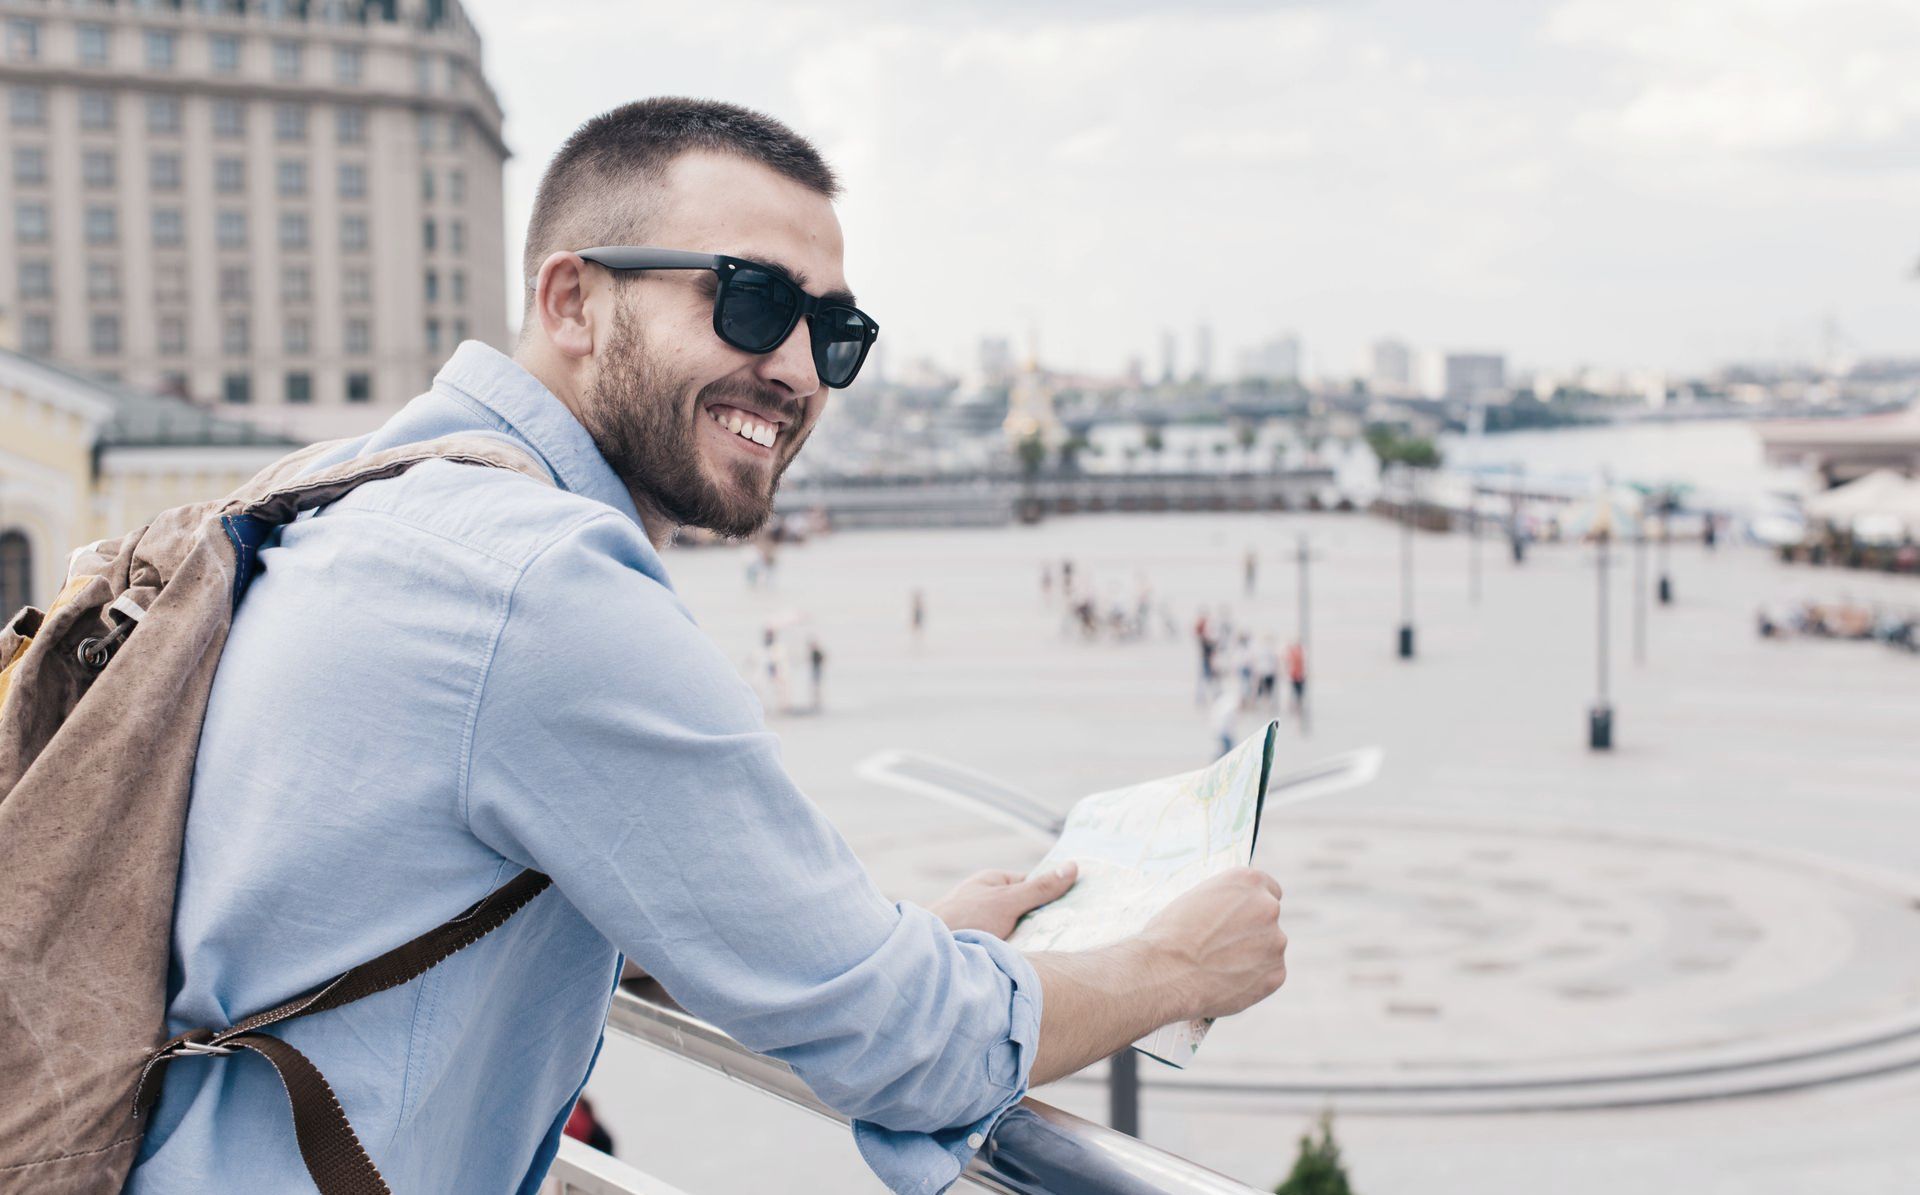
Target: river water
[(1722, 460)]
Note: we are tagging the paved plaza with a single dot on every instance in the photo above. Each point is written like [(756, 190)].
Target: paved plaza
[(1692, 964)]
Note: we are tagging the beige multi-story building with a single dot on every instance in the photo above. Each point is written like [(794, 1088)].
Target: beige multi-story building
[(289, 209)]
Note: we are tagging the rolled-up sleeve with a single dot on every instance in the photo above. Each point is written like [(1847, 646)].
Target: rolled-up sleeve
[(613, 747)]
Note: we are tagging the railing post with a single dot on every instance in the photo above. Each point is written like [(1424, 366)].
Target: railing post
[(1123, 1092)]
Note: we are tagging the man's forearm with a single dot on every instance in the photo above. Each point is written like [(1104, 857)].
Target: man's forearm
[(1095, 1002)]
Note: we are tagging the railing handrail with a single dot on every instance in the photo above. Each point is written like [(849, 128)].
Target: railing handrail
[(1036, 1149)]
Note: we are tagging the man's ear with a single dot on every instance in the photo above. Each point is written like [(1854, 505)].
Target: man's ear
[(560, 303)]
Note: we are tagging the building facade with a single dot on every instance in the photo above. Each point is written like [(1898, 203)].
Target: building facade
[(82, 459), (1476, 377), (287, 207)]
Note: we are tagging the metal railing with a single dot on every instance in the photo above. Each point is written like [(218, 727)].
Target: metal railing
[(1035, 1149)]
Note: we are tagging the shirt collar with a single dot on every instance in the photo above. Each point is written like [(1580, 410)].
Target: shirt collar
[(496, 382)]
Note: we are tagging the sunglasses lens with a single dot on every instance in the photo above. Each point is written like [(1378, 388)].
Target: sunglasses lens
[(758, 311), (846, 333)]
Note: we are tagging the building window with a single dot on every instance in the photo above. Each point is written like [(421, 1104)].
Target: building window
[(296, 284), (293, 230), (353, 180), (174, 382), (423, 72), (290, 122), (457, 185), (96, 110), (457, 236), (159, 50), (356, 286), (103, 226), (234, 340), (427, 234), (359, 387), (433, 286), (230, 175), (459, 330), (347, 65), (426, 185), (433, 336), (103, 280), (169, 230), (23, 40), (170, 282), (36, 334), (29, 166), (230, 229), (36, 280), (229, 118), (286, 60), (353, 233), (163, 172), (224, 53), (91, 41), (359, 337), (350, 126), (456, 132), (235, 285), (16, 571), (96, 168), (300, 387), (424, 128), (30, 223), (27, 107), (103, 334), (236, 388), (459, 286), (173, 335), (297, 336), (292, 178), (163, 115)]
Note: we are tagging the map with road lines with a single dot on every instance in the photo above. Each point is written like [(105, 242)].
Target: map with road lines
[(1140, 847)]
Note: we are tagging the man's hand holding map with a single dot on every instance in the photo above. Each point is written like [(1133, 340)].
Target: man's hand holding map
[(1138, 850)]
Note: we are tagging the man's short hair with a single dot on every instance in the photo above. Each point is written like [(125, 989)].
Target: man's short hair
[(603, 184)]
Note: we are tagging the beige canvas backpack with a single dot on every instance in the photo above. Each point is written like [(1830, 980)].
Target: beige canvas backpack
[(101, 701)]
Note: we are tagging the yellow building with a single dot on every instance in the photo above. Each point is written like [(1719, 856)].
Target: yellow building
[(81, 460)]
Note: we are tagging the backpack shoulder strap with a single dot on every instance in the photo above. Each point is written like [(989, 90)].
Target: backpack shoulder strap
[(279, 498), (335, 1159)]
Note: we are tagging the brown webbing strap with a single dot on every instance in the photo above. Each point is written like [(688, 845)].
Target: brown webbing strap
[(335, 1159)]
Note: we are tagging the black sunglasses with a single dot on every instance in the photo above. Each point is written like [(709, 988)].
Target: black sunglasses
[(757, 307)]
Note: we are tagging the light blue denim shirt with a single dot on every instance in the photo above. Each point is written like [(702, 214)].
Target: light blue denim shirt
[(453, 675)]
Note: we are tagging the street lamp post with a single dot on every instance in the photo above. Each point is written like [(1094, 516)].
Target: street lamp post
[(1473, 544), (1640, 591), (1406, 563), (1666, 539), (1600, 717)]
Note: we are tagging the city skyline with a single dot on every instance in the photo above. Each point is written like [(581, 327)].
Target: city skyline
[(1634, 185)]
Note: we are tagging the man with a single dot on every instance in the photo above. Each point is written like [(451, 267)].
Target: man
[(452, 676)]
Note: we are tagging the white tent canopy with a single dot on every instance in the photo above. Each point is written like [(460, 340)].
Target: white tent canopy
[(1881, 497)]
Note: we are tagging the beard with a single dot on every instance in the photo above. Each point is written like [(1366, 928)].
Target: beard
[(653, 445)]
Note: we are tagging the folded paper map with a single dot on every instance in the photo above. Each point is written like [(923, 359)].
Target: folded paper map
[(1140, 847)]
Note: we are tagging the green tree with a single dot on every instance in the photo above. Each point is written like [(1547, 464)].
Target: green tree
[(1318, 1170), (1032, 451), (1390, 447)]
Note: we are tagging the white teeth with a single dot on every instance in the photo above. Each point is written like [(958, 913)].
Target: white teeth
[(765, 438), (733, 424)]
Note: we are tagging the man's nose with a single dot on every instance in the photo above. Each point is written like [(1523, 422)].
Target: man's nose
[(791, 364)]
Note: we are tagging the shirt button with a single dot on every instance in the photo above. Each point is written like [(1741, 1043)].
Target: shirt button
[(975, 1141)]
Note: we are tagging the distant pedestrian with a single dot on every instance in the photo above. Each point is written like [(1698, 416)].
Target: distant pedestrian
[(918, 614), (1226, 719), (1203, 638), (816, 667), (1266, 674), (1252, 569), (1708, 535), (1297, 677), (1046, 584)]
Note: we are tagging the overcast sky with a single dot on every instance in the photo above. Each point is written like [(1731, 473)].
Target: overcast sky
[(1669, 183)]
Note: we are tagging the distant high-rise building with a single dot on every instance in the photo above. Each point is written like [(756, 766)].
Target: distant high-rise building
[(289, 210), (995, 358), (1168, 358), (1392, 367), (1202, 352), (1277, 359), (1476, 376)]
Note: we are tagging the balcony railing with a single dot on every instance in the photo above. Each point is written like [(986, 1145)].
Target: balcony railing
[(1036, 1149)]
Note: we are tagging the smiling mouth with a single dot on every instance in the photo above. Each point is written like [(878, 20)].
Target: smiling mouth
[(745, 425)]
